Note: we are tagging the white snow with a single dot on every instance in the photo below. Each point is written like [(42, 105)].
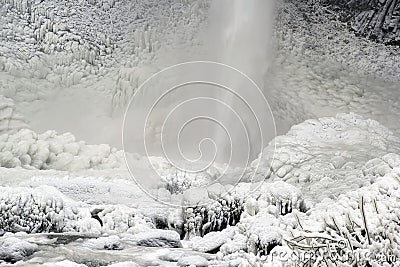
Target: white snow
[(68, 68), (192, 261)]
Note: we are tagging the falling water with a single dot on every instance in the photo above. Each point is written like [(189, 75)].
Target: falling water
[(238, 35), (241, 33)]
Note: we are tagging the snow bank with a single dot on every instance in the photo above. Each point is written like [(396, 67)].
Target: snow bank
[(192, 261), (261, 222), (283, 195)]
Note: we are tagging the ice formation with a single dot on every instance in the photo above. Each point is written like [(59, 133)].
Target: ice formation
[(38, 210), (363, 222), (319, 156), (49, 150), (45, 209), (332, 180), (212, 213), (279, 218)]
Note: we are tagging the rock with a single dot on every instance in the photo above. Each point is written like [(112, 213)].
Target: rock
[(13, 249), (158, 238)]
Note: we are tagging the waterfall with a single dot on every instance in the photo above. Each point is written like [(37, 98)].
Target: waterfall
[(240, 35)]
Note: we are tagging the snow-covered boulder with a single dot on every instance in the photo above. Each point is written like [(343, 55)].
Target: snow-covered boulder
[(197, 261), (124, 264), (211, 242), (106, 242), (13, 249), (156, 238)]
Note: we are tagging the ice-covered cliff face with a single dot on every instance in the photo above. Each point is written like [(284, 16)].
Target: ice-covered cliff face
[(323, 68), (377, 20), (50, 50)]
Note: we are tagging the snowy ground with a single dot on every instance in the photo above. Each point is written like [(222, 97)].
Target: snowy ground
[(66, 200)]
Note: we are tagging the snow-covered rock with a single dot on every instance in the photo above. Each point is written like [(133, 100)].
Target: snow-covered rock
[(211, 242), (156, 238), (124, 264), (108, 243), (13, 249), (197, 261)]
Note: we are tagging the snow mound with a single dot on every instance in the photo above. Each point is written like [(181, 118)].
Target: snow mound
[(13, 249), (319, 156), (197, 261), (108, 243), (124, 264), (212, 241), (49, 150)]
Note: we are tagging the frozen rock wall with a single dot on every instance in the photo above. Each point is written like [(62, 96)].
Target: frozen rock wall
[(377, 20)]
